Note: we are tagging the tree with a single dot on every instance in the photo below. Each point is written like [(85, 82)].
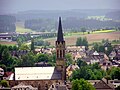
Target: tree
[(4, 83), (115, 73), (81, 85), (81, 63), (83, 29), (69, 60), (79, 41), (32, 45), (27, 60), (42, 57), (23, 47), (88, 72), (85, 42), (6, 57), (82, 41)]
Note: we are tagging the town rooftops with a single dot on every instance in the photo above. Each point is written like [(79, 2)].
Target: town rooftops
[(36, 73), (21, 86)]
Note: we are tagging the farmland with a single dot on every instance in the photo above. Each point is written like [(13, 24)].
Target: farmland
[(96, 37), (10, 43)]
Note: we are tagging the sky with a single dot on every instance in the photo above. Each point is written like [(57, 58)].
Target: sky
[(24, 5)]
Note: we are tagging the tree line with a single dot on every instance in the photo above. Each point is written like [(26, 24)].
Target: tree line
[(70, 24), (7, 23), (8, 61)]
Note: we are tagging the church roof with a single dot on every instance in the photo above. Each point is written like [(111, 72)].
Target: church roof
[(60, 32), (36, 73)]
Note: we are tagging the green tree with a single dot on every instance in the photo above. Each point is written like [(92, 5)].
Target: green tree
[(32, 45), (79, 41), (69, 60), (27, 60), (81, 85), (85, 42), (4, 83), (23, 47), (81, 63), (88, 72), (96, 46), (83, 29), (15, 48), (6, 57), (115, 73), (19, 41), (109, 50), (42, 57), (82, 41)]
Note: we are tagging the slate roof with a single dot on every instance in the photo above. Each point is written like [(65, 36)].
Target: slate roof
[(60, 33), (24, 87), (104, 84), (36, 73), (58, 87)]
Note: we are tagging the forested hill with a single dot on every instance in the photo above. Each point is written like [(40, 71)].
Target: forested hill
[(114, 15), (78, 13), (7, 23)]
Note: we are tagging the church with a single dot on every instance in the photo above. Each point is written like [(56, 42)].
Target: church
[(44, 77)]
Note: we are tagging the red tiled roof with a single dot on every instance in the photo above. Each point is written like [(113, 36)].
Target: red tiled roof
[(7, 74)]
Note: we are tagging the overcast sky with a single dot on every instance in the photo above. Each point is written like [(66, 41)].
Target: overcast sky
[(23, 5)]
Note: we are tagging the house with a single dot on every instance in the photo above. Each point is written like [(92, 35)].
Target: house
[(19, 53), (76, 51), (105, 64), (70, 69), (22, 86), (7, 75), (75, 48), (115, 54), (104, 85), (42, 64), (44, 77), (1, 73), (77, 55), (58, 86), (94, 57)]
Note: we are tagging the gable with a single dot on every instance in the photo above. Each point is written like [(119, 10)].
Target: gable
[(102, 85)]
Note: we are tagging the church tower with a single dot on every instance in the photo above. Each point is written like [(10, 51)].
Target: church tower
[(60, 52)]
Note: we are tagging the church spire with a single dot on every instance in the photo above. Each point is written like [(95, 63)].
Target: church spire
[(60, 33)]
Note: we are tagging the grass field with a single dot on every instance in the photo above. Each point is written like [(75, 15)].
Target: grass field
[(22, 30), (96, 37)]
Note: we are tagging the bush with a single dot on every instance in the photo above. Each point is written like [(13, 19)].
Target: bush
[(4, 83)]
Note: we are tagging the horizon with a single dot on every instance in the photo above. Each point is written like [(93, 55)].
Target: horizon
[(15, 6)]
